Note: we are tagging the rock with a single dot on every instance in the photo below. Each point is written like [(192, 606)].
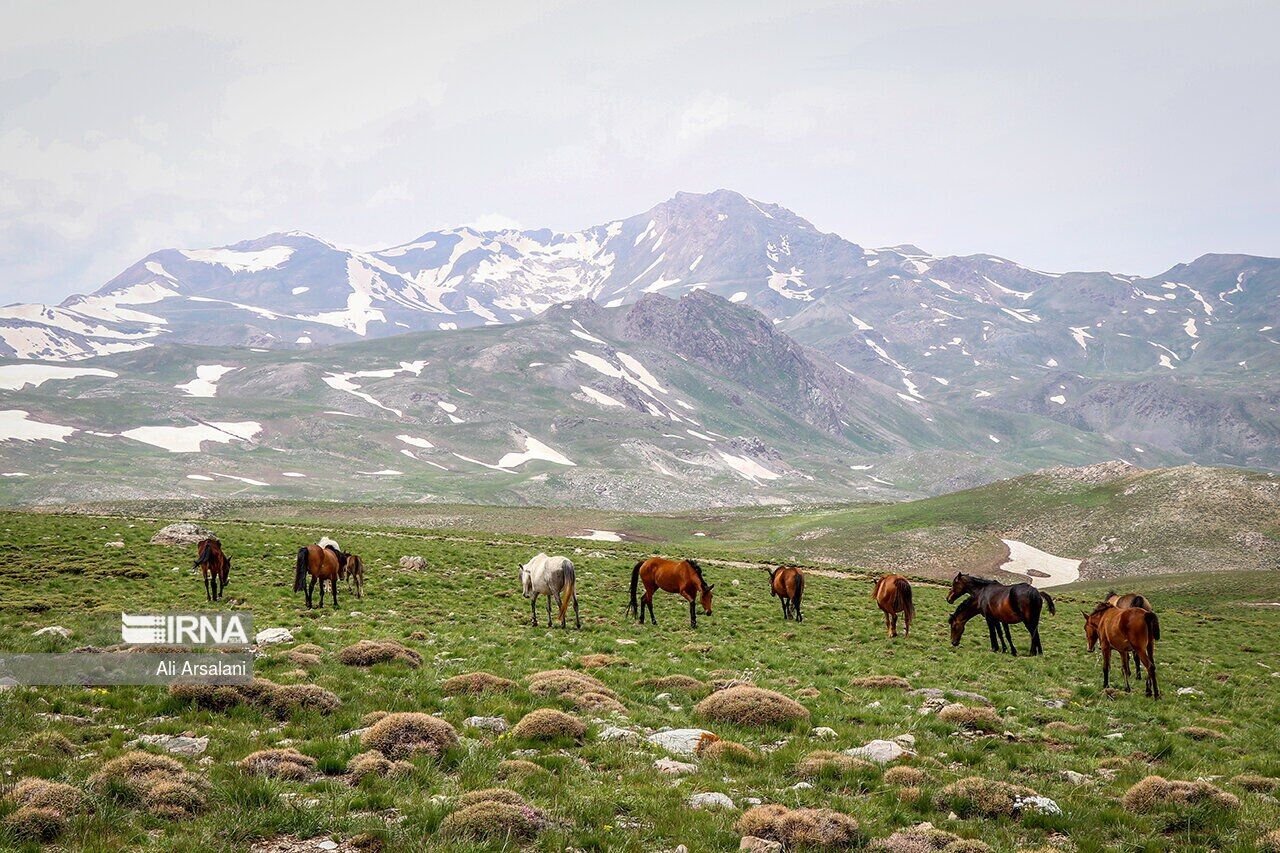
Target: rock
[(933, 694), (416, 563), (671, 767), (53, 630), (176, 744), (497, 725), (679, 741), (1073, 777), (625, 642), (182, 533), (735, 582), (908, 740), (616, 733), (271, 636), (354, 734), (711, 800), (752, 844), (879, 751), (115, 543), (823, 733), (1188, 691), (801, 786), (1042, 805)]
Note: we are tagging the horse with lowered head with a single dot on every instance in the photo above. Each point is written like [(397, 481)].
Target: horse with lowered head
[(553, 577), (683, 577), (1001, 605), (787, 583), (893, 594), (324, 561), (214, 567)]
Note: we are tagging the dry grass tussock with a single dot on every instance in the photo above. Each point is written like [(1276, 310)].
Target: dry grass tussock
[(799, 828), (751, 706), (519, 768), (880, 682), (1200, 733), (33, 823), (283, 700), (926, 838), (600, 661), (1255, 783), (974, 719), (303, 659), (157, 783), (1156, 792), (403, 735), (566, 683), (726, 750), (978, 797), (45, 794), (492, 814), (279, 764), (599, 703), (370, 652), (476, 683), (1270, 843), (50, 743), (548, 724), (1061, 727), (374, 763), (684, 683), (827, 763), (905, 776)]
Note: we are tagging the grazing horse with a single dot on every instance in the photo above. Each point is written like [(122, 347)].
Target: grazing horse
[(353, 570), (683, 577), (893, 594), (214, 567), (1125, 630), (323, 563), (553, 577), (998, 603), (787, 583)]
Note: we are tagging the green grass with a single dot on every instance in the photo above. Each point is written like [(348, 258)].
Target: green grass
[(465, 613)]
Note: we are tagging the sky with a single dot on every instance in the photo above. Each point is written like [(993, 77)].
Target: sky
[(1126, 136)]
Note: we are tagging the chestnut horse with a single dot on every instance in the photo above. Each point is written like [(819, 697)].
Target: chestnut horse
[(214, 567), (323, 563), (1001, 605), (787, 583), (354, 570), (893, 594), (683, 577), (1125, 630), (1124, 602)]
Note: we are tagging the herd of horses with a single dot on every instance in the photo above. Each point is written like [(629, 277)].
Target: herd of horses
[(1121, 623)]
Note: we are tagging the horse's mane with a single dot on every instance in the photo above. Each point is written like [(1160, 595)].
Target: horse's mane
[(977, 581), (968, 603), (696, 568)]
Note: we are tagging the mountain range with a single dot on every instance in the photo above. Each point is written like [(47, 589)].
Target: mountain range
[(811, 367)]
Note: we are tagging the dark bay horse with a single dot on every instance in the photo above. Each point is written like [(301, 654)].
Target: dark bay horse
[(1000, 604), (322, 564), (683, 577), (893, 594), (214, 567), (1125, 630), (787, 583)]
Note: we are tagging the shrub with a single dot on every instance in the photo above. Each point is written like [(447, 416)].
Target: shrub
[(904, 776), (975, 796), (927, 839), (548, 724), (599, 703), (370, 652), (304, 659), (685, 683), (157, 782), (821, 828), (726, 750), (830, 764), (474, 683), (518, 768), (974, 719), (45, 794), (567, 684), (402, 735), (1156, 792), (279, 764), (372, 717), (374, 763), (280, 699), (309, 649), (50, 743), (494, 820), (285, 699), (752, 706), (33, 823), (880, 682)]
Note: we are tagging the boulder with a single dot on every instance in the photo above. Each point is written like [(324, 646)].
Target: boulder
[(679, 741), (710, 800), (272, 636), (879, 751), (753, 844), (671, 767), (412, 562), (176, 744), (497, 725), (53, 630), (182, 533)]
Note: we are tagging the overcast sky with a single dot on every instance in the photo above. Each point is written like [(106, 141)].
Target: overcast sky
[(1122, 136)]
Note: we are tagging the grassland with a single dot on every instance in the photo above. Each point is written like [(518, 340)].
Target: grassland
[(464, 613)]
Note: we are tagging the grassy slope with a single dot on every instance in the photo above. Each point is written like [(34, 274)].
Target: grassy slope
[(55, 570)]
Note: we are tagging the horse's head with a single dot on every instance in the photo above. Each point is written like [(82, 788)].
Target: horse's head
[(706, 598), (526, 581), (957, 627), (959, 586), (1093, 623)]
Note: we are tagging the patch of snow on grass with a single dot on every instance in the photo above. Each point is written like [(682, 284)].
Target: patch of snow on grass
[(414, 441), (747, 468), (187, 439), (1059, 399), (1023, 559), (600, 536), (206, 382), (740, 296), (600, 397), (15, 377), (16, 425)]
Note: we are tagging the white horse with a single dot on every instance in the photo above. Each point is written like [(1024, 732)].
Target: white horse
[(550, 576)]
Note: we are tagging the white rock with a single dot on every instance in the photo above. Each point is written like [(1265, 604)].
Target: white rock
[(879, 751), (678, 741), (671, 767), (753, 844), (354, 734), (823, 733), (489, 724), (58, 630), (327, 844), (176, 744), (711, 800), (113, 544), (413, 562), (616, 733), (1188, 691), (271, 636), (1043, 805), (801, 786), (625, 642), (1073, 777), (735, 582), (907, 740)]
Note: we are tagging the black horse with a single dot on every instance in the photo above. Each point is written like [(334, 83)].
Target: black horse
[(1001, 605)]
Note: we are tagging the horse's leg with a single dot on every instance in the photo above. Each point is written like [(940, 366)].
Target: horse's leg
[(533, 608), (893, 623), (888, 629), (1153, 688), (785, 610), (993, 635), (1008, 636), (906, 622), (649, 588), (1106, 665), (577, 622), (311, 585), (548, 598), (207, 595), (693, 613), (795, 605), (334, 583), (1124, 664), (321, 605)]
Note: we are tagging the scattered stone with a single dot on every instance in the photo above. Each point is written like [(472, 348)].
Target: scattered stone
[(272, 636), (711, 800), (753, 844), (497, 725), (823, 733), (53, 630), (616, 733), (1073, 777), (935, 693), (413, 562), (1188, 691), (879, 751), (671, 767), (175, 744), (679, 741), (182, 533)]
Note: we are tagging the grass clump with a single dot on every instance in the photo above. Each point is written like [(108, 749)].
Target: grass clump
[(279, 764), (45, 794), (548, 724), (1255, 783), (599, 703), (974, 719), (370, 652), (1200, 733), (158, 783), (726, 750), (1270, 843), (926, 838), (493, 814), (475, 684), (286, 699), (905, 776), (600, 661), (978, 797), (567, 684), (829, 764), (303, 659), (684, 683), (753, 707), (823, 829), (518, 768), (49, 743), (881, 682), (34, 823), (283, 700), (1156, 792), (374, 763), (403, 735), (1062, 727)]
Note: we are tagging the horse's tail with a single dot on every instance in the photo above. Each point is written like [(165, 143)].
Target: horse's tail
[(634, 606), (1048, 599), (799, 590), (1153, 625), (203, 556), (301, 573), (569, 591), (908, 606)]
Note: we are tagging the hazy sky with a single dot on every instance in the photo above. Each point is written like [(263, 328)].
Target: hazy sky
[(1123, 136)]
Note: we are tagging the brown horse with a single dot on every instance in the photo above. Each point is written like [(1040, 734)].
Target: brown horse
[(1124, 602), (214, 567), (1002, 605), (683, 577), (787, 583), (323, 564), (353, 569), (1125, 630), (893, 594)]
